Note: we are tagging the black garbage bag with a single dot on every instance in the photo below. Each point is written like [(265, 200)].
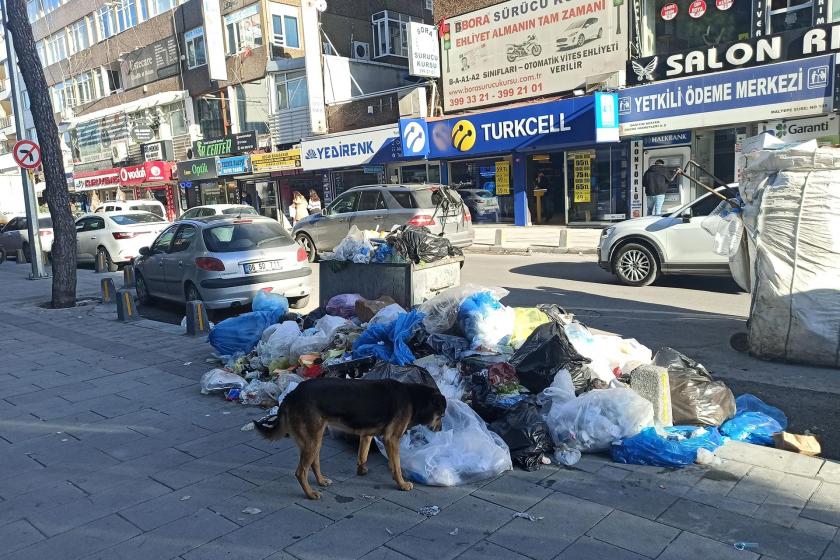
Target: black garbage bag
[(478, 362), (405, 374), (484, 400), (546, 351), (312, 317), (525, 433), (351, 369), (696, 399), (416, 244), (449, 345)]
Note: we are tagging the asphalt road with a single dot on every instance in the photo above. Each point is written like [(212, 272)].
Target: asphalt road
[(694, 315)]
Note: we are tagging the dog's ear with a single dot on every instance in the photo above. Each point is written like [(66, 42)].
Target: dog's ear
[(427, 404)]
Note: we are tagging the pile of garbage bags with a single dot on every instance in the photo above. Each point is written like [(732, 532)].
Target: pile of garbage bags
[(525, 386), (403, 244)]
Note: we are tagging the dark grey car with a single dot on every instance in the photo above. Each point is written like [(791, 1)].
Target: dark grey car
[(381, 207)]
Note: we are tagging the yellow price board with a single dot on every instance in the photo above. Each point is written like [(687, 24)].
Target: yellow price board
[(276, 161), (582, 177), (502, 177)]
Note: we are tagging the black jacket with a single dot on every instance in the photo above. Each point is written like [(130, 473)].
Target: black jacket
[(655, 180)]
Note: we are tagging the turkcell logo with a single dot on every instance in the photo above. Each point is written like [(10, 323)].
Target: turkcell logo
[(818, 77), (415, 137)]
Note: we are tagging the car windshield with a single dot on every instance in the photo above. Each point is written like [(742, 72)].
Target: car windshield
[(577, 24), (44, 223), (128, 219), (153, 208), (240, 211), (245, 235)]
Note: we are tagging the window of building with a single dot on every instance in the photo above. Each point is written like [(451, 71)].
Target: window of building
[(177, 115), (285, 31), (80, 35), (34, 10), (41, 48), (57, 47), (125, 15), (243, 29), (785, 15), (163, 5), (291, 90), (105, 22), (84, 88), (26, 102), (211, 113), (101, 90), (430, 5), (390, 34), (683, 32), (196, 55), (252, 106), (114, 80)]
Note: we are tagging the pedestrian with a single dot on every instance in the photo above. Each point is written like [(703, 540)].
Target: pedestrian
[(314, 205), (299, 207), (655, 181)]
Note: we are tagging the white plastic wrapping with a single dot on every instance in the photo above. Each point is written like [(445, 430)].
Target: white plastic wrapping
[(386, 314), (463, 451), (329, 323), (792, 214), (448, 379), (607, 352), (355, 247), (220, 380), (279, 341), (441, 311), (724, 224), (308, 344)]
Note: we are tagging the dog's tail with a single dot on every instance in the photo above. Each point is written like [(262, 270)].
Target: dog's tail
[(273, 427)]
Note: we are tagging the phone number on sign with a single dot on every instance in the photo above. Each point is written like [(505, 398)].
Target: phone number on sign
[(500, 94)]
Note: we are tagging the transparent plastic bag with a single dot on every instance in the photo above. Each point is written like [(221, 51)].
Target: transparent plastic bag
[(329, 323), (279, 342), (355, 247), (592, 421), (608, 354), (308, 344), (220, 380), (485, 322), (750, 403), (387, 314), (727, 228), (270, 301), (448, 379), (343, 305), (259, 392), (463, 451), (441, 311)]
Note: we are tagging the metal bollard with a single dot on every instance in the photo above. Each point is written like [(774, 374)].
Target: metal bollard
[(126, 309), (128, 276), (197, 322), (20, 256), (109, 291), (100, 265)]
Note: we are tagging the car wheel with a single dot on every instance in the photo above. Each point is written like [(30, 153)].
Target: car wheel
[(26, 256), (308, 245), (110, 265), (143, 294), (635, 265), (191, 292), (299, 303)]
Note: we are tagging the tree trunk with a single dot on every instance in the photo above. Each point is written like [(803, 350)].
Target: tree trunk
[(56, 192)]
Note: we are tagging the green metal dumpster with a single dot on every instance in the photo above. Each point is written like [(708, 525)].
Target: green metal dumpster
[(408, 283)]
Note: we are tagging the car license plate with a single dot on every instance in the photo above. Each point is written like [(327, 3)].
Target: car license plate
[(264, 266)]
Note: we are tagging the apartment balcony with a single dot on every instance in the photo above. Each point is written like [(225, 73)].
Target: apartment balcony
[(7, 125)]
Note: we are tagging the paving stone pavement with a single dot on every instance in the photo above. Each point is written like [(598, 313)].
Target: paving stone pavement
[(109, 451)]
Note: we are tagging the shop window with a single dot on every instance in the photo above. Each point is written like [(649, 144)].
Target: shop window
[(785, 15), (682, 32), (284, 29), (252, 107), (290, 90), (243, 29), (196, 55), (390, 34)]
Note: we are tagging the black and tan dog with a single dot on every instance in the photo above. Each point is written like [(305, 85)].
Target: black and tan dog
[(383, 408)]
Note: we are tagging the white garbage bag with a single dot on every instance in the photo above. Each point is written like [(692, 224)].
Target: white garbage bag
[(449, 380), (279, 341), (387, 314), (308, 344), (441, 311), (329, 323), (463, 451), (220, 380), (607, 353)]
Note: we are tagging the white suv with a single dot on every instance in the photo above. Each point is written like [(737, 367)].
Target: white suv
[(638, 251)]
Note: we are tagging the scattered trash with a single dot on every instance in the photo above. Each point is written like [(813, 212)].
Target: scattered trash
[(528, 516), (389, 531), (677, 447), (429, 511), (454, 531), (247, 427), (219, 380), (745, 545), (185, 498), (368, 497), (805, 444), (187, 363), (251, 511), (526, 435)]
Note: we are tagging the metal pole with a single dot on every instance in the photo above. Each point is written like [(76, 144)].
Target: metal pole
[(28, 186)]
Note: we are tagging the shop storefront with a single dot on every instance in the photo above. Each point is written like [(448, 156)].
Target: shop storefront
[(96, 187), (153, 180), (567, 150), (279, 175), (199, 183), (705, 119)]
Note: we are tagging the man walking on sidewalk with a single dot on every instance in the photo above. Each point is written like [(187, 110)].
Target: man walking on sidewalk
[(655, 181)]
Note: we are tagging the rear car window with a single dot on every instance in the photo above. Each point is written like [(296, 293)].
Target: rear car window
[(128, 219), (246, 235), (430, 198), (153, 208), (240, 210), (45, 222)]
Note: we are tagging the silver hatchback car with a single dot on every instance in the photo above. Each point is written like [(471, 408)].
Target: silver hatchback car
[(223, 261), (381, 207)]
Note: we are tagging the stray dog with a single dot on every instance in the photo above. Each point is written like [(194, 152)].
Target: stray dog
[(385, 408)]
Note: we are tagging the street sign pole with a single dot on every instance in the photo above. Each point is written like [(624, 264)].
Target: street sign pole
[(31, 199)]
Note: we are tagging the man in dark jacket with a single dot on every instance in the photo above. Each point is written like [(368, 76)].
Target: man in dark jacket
[(655, 181)]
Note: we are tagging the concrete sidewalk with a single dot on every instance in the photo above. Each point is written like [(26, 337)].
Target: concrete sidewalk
[(108, 451), (545, 239)]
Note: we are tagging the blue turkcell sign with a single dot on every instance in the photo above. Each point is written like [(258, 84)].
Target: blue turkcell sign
[(237, 165)]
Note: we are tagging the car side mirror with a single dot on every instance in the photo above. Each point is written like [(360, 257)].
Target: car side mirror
[(145, 251), (686, 216)]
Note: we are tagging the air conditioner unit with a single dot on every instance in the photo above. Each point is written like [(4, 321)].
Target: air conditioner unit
[(361, 51), (119, 152)]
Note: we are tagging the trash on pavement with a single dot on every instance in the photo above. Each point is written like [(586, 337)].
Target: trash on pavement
[(242, 333), (652, 383), (546, 351), (463, 451), (525, 320), (751, 403), (266, 300), (526, 434), (676, 447), (752, 427), (448, 379), (745, 545), (388, 341), (343, 305), (251, 510), (695, 398), (441, 312), (528, 516), (279, 342), (485, 322), (408, 373), (429, 511), (366, 309), (804, 444), (220, 380), (259, 393)]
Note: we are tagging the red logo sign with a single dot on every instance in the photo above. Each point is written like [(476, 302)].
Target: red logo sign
[(697, 8), (669, 11), (149, 172), (724, 4)]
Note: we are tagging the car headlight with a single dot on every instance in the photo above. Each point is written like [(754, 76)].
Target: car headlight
[(606, 232)]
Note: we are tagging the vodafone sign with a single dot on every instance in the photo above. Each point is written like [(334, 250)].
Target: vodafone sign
[(149, 172)]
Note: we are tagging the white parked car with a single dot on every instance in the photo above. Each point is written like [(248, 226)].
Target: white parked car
[(149, 205), (638, 251), (232, 210), (119, 235), (579, 33)]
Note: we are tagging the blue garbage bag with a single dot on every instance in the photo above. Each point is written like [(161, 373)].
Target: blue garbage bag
[(387, 341), (485, 322), (677, 448), (751, 403), (269, 301), (241, 333), (752, 427)]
